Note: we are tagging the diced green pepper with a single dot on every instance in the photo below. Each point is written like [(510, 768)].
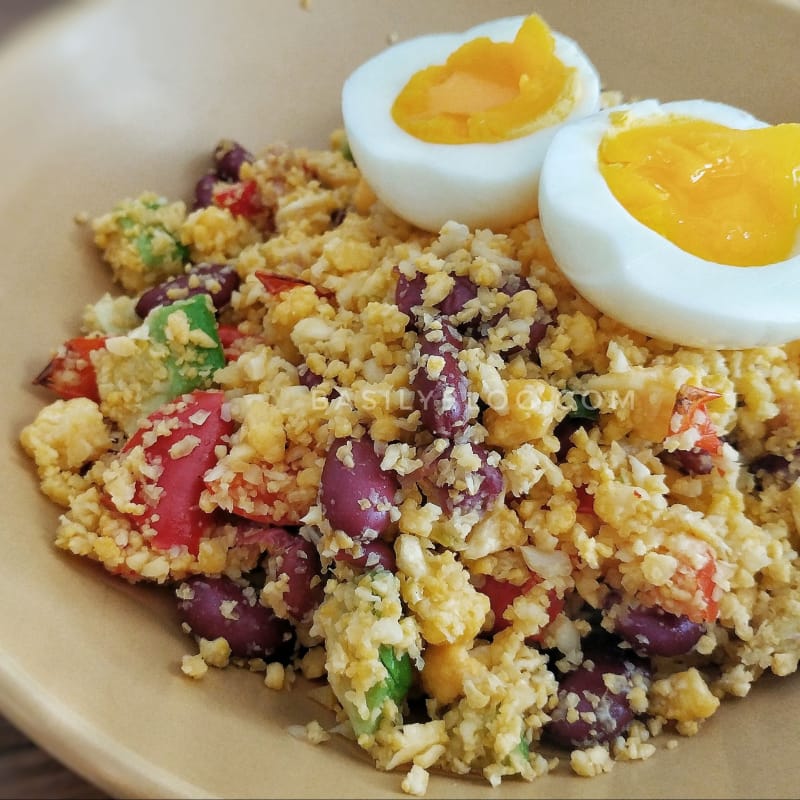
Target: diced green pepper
[(583, 408), (399, 669), (191, 365), (519, 758), (140, 239), (166, 356), (523, 749), (394, 686), (144, 246)]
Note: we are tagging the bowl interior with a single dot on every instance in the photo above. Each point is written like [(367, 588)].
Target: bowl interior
[(105, 100)]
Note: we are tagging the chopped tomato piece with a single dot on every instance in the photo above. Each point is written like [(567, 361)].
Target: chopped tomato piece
[(690, 412), (176, 455), (240, 198), (699, 584), (71, 373)]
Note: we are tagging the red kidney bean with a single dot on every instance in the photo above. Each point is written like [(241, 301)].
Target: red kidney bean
[(538, 332), (337, 217), (462, 292), (228, 159), (611, 710), (651, 631), (205, 276), (356, 498), (784, 470), (502, 594), (296, 558), (491, 485), (408, 294), (308, 378), (690, 462), (488, 490), (251, 629), (374, 554), (769, 462), (204, 191), (441, 401), (538, 328)]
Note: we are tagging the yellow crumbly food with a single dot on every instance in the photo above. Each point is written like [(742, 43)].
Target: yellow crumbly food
[(602, 511), (67, 435), (684, 697), (141, 240)]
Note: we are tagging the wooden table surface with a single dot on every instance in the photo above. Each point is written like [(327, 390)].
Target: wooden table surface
[(27, 771)]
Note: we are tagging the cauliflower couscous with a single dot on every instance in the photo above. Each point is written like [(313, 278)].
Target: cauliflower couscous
[(421, 470)]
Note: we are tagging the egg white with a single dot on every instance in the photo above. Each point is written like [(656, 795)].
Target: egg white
[(639, 277), (481, 185)]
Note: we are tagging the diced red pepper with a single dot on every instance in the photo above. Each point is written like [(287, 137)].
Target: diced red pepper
[(502, 594), (707, 584), (691, 412), (699, 585), (257, 503), (234, 342), (229, 335), (294, 560), (71, 373), (195, 425), (240, 198), (277, 284)]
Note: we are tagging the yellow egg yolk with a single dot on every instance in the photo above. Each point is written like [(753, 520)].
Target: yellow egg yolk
[(728, 196), (489, 91)]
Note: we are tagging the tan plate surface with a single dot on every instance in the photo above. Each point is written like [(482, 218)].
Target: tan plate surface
[(104, 100)]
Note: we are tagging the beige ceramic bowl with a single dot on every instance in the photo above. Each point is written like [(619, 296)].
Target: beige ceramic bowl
[(104, 100)]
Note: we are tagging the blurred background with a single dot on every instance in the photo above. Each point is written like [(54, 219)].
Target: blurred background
[(16, 12)]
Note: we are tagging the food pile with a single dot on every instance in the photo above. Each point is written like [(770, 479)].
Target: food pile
[(419, 468)]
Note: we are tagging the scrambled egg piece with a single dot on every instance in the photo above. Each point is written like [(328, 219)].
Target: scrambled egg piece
[(684, 697), (65, 437)]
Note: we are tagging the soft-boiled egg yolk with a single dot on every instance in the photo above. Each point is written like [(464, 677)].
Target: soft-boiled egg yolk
[(488, 91), (622, 215), (725, 195), (455, 126)]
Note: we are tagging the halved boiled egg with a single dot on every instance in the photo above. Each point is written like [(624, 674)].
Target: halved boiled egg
[(455, 126), (680, 220)]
